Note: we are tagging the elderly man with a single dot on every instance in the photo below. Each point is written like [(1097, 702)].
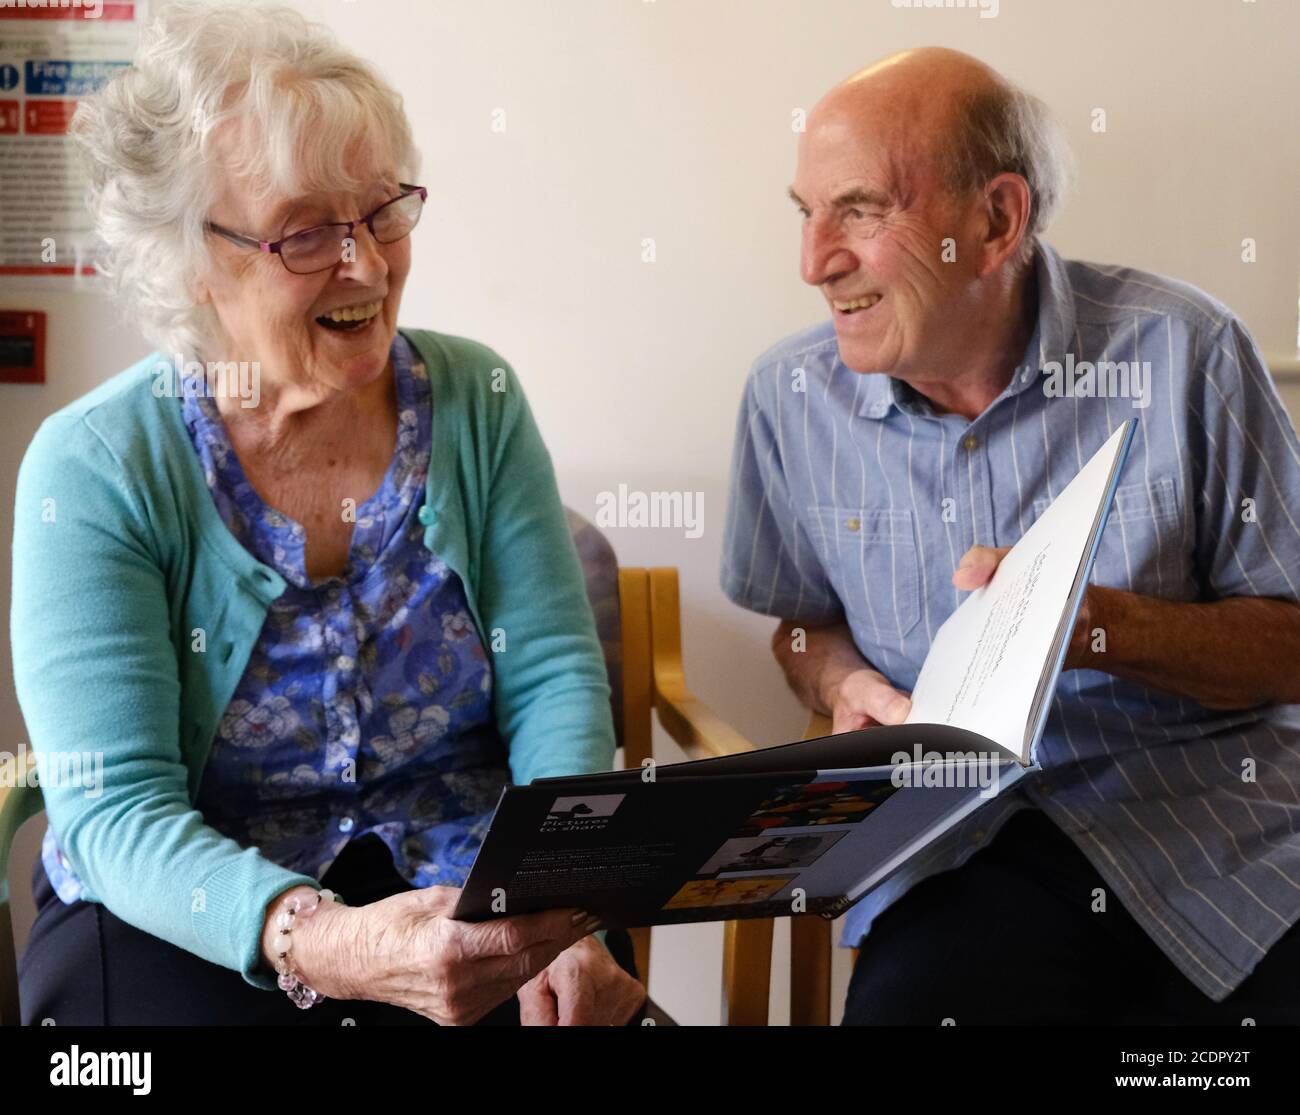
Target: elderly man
[(1151, 871)]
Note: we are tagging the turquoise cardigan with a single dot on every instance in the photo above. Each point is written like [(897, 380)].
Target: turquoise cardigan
[(120, 556)]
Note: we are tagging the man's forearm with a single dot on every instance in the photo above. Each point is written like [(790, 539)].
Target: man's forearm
[(1229, 654), (816, 660)]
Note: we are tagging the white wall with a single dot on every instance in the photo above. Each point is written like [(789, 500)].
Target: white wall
[(671, 119)]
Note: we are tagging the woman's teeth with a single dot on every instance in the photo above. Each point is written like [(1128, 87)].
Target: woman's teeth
[(350, 316), (857, 304)]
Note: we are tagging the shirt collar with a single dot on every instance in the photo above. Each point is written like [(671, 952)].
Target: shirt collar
[(1052, 337)]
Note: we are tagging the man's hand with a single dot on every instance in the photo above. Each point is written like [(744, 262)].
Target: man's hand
[(583, 986), (830, 677), (864, 699), (976, 568)]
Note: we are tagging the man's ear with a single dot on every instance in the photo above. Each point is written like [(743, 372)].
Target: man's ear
[(1007, 206)]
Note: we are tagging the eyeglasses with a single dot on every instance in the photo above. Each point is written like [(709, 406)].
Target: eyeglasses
[(321, 247)]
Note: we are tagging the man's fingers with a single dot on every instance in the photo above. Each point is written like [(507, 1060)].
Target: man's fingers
[(869, 701), (977, 566), (848, 720), (889, 706)]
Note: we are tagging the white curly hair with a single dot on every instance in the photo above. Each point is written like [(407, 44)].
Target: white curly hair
[(299, 106)]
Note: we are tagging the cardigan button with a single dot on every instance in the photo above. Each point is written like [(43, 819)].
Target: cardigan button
[(428, 516)]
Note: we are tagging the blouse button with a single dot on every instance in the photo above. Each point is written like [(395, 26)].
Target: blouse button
[(428, 516), (345, 824)]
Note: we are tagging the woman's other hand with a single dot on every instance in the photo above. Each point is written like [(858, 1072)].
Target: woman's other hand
[(583, 986)]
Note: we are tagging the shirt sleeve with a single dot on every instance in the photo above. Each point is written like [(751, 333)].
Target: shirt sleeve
[(769, 564), (1248, 472), (97, 678)]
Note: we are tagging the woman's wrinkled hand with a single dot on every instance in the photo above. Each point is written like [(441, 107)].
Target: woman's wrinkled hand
[(406, 950), (583, 986)]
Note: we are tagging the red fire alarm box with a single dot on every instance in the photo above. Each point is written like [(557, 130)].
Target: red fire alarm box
[(22, 346)]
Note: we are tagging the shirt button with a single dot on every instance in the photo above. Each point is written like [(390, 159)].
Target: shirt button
[(979, 835), (971, 443), (854, 525), (1045, 788), (345, 824), (428, 516)]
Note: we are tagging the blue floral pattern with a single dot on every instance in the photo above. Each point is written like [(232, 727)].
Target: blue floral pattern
[(366, 705)]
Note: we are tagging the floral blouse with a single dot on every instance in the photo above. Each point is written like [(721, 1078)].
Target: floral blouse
[(366, 705)]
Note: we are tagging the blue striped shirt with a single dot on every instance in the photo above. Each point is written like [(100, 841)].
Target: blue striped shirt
[(851, 498)]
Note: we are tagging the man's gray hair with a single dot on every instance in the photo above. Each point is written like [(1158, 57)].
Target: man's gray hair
[(1002, 129), (297, 104)]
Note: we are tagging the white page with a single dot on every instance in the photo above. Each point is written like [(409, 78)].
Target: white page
[(986, 661)]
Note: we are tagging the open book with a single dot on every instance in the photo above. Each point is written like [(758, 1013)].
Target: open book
[(811, 827)]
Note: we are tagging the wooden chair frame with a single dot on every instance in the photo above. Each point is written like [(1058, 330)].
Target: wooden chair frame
[(654, 681)]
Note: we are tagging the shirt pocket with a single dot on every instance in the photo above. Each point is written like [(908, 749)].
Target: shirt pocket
[(871, 556), (1141, 502), (1141, 548)]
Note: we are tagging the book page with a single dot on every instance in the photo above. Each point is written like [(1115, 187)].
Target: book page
[(987, 660)]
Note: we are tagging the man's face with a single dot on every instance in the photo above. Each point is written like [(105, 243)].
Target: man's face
[(875, 218)]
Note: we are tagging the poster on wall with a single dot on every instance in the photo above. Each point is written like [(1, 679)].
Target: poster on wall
[(52, 52)]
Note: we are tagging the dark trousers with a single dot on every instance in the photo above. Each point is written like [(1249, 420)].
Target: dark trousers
[(84, 967), (1010, 938)]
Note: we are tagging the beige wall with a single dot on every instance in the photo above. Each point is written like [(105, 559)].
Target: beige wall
[(671, 120)]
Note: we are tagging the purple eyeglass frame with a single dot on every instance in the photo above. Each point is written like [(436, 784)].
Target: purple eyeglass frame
[(273, 246)]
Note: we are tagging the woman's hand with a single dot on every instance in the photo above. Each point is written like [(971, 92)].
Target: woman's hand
[(406, 950), (583, 986)]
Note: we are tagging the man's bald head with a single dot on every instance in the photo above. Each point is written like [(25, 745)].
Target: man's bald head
[(924, 180), (947, 115)]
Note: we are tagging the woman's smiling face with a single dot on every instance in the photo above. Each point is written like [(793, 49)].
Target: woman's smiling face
[(291, 323)]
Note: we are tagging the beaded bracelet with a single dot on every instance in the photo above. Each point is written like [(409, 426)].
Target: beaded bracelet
[(287, 980)]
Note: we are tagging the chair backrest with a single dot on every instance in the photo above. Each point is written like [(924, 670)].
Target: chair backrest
[(600, 572)]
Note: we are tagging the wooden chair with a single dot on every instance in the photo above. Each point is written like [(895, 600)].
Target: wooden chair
[(638, 617), (654, 682), (640, 629)]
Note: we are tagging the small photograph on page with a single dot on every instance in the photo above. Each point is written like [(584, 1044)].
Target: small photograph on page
[(728, 892), (774, 852), (806, 804)]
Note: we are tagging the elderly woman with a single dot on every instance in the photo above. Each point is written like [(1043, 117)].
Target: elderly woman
[(314, 627)]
